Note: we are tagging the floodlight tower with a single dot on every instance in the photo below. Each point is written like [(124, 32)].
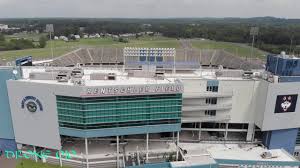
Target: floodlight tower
[(253, 33), (50, 30)]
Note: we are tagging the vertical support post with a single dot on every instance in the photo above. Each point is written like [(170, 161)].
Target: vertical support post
[(200, 56), (86, 152), (118, 159), (124, 59), (252, 47), (185, 54), (174, 64), (226, 131), (147, 147), (253, 135), (177, 146), (102, 53), (60, 160), (199, 135), (250, 132), (116, 58), (35, 156), (173, 136)]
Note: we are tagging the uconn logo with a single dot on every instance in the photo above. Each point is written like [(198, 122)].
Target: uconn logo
[(32, 104)]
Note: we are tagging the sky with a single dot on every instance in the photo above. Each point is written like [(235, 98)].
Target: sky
[(149, 8)]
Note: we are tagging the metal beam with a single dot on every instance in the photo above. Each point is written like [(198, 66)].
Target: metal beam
[(35, 156), (177, 146), (226, 131), (199, 134), (147, 147), (86, 152), (118, 158)]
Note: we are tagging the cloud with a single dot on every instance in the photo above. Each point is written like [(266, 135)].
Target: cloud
[(149, 8)]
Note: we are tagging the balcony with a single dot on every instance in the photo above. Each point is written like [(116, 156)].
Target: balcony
[(205, 119), (207, 107), (202, 95)]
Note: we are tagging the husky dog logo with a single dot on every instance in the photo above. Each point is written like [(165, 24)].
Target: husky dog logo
[(286, 103)]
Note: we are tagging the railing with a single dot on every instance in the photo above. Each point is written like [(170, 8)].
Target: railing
[(79, 161), (204, 119), (207, 107), (207, 94)]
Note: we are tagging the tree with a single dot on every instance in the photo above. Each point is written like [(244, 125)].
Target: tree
[(2, 38), (43, 41)]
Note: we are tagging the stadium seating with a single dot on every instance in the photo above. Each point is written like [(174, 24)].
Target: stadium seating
[(185, 58)]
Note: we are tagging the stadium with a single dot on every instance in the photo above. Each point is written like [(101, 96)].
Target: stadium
[(153, 107)]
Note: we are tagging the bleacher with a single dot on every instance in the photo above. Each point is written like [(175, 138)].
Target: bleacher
[(185, 58)]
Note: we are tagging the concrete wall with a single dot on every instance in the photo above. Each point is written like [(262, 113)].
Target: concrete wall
[(276, 121), (278, 139), (7, 137), (241, 100), (6, 128), (259, 101), (242, 108), (38, 128)]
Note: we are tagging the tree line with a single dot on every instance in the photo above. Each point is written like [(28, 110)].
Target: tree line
[(20, 44), (274, 35)]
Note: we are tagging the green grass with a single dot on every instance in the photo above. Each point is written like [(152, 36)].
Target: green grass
[(38, 53), (32, 36), (61, 47), (242, 50), (32, 164)]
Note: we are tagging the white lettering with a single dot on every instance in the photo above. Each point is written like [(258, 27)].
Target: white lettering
[(134, 90)]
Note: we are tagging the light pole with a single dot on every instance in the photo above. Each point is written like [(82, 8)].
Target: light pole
[(253, 33), (50, 29)]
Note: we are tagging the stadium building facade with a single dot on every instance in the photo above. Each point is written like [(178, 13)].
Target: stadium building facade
[(163, 114)]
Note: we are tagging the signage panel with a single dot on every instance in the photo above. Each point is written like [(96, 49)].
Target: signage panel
[(286, 103), (132, 90)]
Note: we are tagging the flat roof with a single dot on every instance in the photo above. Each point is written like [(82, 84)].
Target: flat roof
[(247, 152), (122, 77)]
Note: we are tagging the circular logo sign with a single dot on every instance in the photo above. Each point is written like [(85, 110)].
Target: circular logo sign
[(31, 106)]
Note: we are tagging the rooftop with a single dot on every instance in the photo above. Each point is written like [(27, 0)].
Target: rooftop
[(123, 77), (248, 152)]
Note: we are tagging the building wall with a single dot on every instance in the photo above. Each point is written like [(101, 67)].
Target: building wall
[(237, 93), (7, 137), (259, 101), (6, 129), (278, 139), (286, 120), (41, 128), (242, 107), (119, 111)]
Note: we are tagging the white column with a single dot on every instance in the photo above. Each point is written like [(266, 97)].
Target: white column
[(118, 159), (35, 156), (174, 64), (250, 132), (147, 147), (226, 131), (199, 135), (173, 136), (86, 152), (60, 160), (177, 146)]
